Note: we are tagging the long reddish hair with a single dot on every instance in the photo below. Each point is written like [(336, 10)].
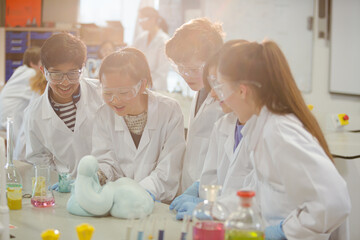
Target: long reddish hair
[(266, 64)]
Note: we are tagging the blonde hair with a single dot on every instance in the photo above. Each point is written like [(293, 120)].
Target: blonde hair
[(266, 64), (199, 38), (38, 83)]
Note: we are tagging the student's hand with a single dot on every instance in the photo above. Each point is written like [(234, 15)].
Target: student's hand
[(56, 186), (193, 190), (102, 177), (152, 195), (187, 209), (184, 198), (275, 232)]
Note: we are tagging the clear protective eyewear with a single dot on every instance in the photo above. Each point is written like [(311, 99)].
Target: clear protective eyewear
[(189, 71), (126, 93), (58, 77), (222, 90), (143, 19)]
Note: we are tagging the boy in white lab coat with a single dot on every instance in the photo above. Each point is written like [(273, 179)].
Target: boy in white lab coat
[(300, 193), (58, 124), (138, 133), (222, 153), (16, 94), (191, 46)]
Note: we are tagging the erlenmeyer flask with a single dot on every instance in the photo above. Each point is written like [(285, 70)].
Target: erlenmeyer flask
[(42, 195), (246, 222), (13, 178), (209, 216)]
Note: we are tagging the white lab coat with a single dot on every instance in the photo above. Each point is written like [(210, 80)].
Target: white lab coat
[(221, 159), (15, 97), (20, 148), (49, 140), (155, 55), (294, 178), (200, 128), (156, 163)]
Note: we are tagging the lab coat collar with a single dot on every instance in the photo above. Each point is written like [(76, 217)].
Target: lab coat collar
[(152, 114), (229, 131), (254, 127), (49, 113), (208, 100), (47, 110)]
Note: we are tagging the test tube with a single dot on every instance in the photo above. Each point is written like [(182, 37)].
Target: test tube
[(162, 230), (184, 227), (129, 229), (140, 235)]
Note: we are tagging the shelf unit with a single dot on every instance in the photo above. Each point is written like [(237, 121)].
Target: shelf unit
[(17, 40)]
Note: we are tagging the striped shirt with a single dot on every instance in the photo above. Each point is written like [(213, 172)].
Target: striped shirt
[(66, 111)]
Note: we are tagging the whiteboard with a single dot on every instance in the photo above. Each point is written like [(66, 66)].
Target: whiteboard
[(284, 21), (345, 47)]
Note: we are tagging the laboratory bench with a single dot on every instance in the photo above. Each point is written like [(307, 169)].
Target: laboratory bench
[(345, 148), (30, 222)]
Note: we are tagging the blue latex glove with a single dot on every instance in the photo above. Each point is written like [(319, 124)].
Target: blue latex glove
[(56, 186), (187, 209), (183, 198), (152, 195), (193, 190), (275, 232)]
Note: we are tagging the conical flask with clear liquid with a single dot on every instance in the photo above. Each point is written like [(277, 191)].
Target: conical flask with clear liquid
[(13, 178), (209, 216), (245, 223)]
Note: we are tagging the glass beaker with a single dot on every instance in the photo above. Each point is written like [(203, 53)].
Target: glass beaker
[(13, 178), (42, 195), (209, 216), (64, 182), (245, 223)]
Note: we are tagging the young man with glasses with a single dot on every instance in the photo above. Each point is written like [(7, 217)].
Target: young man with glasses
[(191, 46), (58, 125)]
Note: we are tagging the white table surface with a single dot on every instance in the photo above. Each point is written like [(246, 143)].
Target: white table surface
[(345, 144), (30, 222)]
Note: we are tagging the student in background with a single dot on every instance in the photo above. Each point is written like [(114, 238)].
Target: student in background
[(93, 65), (222, 154), (37, 85), (138, 133), (58, 124), (192, 45), (16, 94), (152, 43), (299, 191)]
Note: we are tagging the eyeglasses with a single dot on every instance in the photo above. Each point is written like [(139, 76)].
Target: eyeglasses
[(143, 19), (223, 91), (127, 93), (58, 77), (189, 71)]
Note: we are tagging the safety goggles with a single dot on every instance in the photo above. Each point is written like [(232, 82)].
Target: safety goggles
[(143, 19), (223, 91), (189, 71), (127, 93), (58, 77)]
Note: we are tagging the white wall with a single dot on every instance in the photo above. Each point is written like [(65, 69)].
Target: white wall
[(324, 102)]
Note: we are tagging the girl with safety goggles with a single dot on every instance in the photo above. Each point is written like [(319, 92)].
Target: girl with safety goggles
[(138, 133), (300, 193)]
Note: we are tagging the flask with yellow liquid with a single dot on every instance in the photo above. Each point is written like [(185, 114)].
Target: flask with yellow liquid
[(245, 223), (13, 178)]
